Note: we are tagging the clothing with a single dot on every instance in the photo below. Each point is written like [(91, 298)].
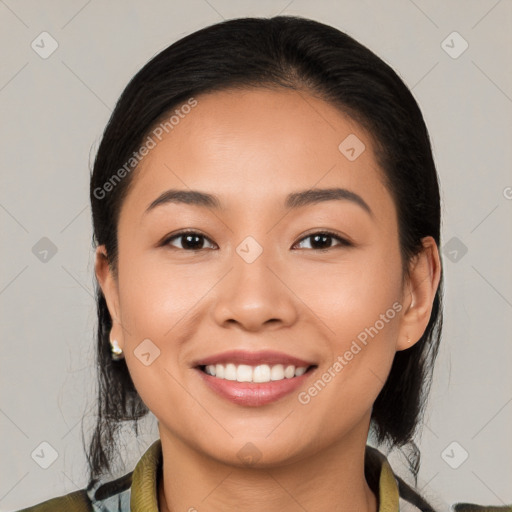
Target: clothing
[(138, 491)]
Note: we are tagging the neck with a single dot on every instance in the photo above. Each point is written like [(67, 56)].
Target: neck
[(329, 480)]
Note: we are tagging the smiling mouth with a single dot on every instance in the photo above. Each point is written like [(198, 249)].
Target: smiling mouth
[(255, 374)]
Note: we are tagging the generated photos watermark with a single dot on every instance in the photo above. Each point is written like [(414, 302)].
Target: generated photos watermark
[(343, 360), (150, 143)]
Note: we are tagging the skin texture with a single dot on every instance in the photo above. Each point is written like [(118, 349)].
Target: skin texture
[(251, 148)]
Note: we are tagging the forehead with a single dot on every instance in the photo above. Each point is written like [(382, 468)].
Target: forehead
[(250, 146)]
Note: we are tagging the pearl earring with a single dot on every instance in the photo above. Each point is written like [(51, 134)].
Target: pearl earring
[(117, 351)]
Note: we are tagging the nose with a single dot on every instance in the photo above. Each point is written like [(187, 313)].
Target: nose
[(255, 296)]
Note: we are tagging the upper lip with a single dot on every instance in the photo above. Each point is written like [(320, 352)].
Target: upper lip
[(253, 358)]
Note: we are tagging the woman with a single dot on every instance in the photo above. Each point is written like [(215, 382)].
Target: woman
[(267, 221)]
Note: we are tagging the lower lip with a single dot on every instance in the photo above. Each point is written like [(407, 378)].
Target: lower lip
[(254, 394)]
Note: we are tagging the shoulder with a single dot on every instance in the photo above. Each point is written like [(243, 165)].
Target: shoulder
[(400, 496), (111, 496), (77, 501)]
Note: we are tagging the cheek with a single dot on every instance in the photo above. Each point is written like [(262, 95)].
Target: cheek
[(359, 305), (157, 303), (155, 296), (154, 309), (353, 294)]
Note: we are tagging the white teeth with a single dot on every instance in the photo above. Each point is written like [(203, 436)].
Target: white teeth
[(277, 372), (289, 371), (300, 371), (260, 373), (244, 373), (230, 372)]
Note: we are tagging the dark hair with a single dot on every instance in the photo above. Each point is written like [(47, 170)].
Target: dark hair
[(299, 54)]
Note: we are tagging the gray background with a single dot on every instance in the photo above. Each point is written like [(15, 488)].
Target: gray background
[(53, 112)]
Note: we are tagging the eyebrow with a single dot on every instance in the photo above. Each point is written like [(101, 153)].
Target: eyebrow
[(292, 201)]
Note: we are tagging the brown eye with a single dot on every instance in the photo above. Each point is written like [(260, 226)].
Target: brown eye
[(322, 240), (190, 240)]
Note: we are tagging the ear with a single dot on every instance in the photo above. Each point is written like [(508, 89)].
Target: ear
[(419, 294), (109, 287)]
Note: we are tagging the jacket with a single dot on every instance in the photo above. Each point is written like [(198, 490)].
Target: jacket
[(137, 490)]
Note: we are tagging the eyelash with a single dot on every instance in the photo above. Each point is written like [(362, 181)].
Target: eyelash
[(343, 242)]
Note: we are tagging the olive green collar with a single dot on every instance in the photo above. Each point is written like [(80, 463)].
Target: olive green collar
[(144, 490)]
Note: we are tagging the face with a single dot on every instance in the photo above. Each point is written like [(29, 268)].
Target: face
[(258, 274)]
